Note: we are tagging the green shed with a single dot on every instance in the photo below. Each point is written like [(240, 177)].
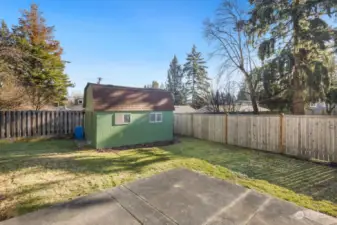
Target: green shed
[(118, 116)]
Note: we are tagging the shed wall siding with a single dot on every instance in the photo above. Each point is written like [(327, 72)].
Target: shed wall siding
[(139, 131), (90, 118), (89, 104)]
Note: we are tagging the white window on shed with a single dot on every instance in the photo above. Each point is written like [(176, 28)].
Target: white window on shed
[(122, 118), (152, 117), (156, 117), (159, 117)]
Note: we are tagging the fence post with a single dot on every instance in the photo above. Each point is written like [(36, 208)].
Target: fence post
[(226, 128), (8, 124), (2, 124), (281, 145)]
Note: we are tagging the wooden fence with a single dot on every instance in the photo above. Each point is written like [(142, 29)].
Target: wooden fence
[(309, 137), (17, 124)]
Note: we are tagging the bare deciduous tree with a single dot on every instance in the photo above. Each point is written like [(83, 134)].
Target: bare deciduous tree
[(227, 31), (11, 91), (223, 98)]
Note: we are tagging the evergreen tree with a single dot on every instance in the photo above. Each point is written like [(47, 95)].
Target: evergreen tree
[(174, 82), (4, 32), (9, 52), (184, 94), (275, 92), (155, 84), (296, 31), (45, 80), (197, 81), (12, 93), (242, 94), (331, 92), (162, 86)]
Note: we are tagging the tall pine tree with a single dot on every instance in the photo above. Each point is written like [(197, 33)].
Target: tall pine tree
[(295, 30), (154, 84), (174, 82), (197, 81), (162, 86), (45, 79)]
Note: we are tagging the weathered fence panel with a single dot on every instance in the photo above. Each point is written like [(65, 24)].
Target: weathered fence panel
[(309, 137), (183, 124), (16, 124)]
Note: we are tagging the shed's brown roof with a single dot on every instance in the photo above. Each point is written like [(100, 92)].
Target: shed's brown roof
[(118, 98)]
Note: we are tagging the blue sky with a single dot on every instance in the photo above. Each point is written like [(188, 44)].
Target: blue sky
[(126, 42)]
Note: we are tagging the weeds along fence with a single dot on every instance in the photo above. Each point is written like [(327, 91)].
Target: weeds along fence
[(21, 124), (308, 137)]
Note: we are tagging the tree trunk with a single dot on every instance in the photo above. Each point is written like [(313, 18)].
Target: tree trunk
[(329, 108), (251, 92), (254, 103), (297, 99), (298, 90)]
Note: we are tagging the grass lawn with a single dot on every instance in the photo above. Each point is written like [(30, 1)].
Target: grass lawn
[(38, 173)]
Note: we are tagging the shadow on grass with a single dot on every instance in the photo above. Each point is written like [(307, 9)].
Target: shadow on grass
[(33, 161), (311, 179), (36, 202), (61, 155)]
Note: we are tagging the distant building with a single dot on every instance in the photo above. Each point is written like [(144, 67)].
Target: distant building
[(79, 101), (183, 109), (240, 106), (318, 108), (75, 103)]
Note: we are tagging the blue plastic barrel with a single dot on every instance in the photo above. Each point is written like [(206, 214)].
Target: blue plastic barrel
[(79, 133)]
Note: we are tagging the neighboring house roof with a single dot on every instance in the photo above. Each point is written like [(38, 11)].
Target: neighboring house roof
[(118, 98), (247, 102), (238, 108), (183, 109), (249, 108), (76, 107)]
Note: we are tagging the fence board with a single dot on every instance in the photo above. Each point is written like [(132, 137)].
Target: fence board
[(71, 126), (2, 124), (53, 129), (23, 125), (77, 120), (28, 123), (34, 124), (47, 123), (14, 124), (74, 119), (82, 119), (59, 122), (38, 121), (8, 124), (43, 123), (38, 124), (18, 123), (65, 122), (51, 123)]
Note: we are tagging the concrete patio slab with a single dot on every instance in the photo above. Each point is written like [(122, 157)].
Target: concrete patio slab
[(175, 197)]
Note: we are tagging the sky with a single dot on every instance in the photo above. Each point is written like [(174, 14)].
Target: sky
[(126, 42)]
